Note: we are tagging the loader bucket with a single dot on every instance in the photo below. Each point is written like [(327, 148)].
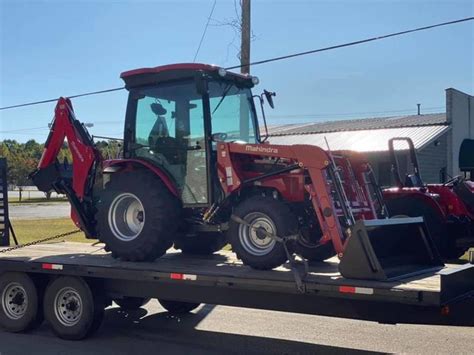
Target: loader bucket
[(389, 249)]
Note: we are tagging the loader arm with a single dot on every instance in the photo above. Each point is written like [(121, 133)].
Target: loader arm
[(76, 184)]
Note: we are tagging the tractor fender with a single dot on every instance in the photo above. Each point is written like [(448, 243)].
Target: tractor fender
[(415, 193), (120, 165)]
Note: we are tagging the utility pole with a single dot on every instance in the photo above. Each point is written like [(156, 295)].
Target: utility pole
[(244, 69), (245, 40)]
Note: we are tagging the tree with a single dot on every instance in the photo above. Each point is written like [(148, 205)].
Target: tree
[(23, 158)]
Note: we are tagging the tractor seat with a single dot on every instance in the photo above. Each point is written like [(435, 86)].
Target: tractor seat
[(412, 180), (464, 192)]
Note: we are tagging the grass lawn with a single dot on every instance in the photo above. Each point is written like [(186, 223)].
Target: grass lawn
[(27, 230)]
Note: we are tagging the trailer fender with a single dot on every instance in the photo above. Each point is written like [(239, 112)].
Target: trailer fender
[(121, 165)]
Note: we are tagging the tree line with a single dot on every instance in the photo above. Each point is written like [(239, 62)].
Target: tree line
[(23, 158)]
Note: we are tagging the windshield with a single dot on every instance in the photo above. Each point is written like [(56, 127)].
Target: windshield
[(232, 112)]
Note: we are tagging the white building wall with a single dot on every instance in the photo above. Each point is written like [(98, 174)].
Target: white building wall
[(460, 114)]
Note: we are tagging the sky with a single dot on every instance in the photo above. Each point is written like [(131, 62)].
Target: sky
[(61, 48)]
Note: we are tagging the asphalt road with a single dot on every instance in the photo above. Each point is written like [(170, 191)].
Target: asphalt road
[(228, 330), (39, 210)]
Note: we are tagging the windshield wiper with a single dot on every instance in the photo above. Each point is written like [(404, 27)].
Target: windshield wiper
[(226, 91)]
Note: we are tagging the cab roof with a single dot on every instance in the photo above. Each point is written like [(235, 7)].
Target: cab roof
[(170, 72)]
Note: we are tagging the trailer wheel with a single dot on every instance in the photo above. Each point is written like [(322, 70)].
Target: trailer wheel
[(250, 243), (131, 303), (20, 305), (137, 216), (71, 309), (413, 207), (178, 307), (201, 244)]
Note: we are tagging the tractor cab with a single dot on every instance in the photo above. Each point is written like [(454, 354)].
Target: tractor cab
[(178, 113)]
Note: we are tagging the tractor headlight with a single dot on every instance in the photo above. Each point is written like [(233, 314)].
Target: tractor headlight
[(255, 80), (222, 72)]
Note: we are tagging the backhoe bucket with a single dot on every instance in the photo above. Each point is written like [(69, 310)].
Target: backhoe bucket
[(389, 249)]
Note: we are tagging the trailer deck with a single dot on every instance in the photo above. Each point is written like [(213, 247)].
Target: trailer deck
[(222, 279)]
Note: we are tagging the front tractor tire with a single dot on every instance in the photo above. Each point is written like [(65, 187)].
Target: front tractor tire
[(251, 242), (137, 216)]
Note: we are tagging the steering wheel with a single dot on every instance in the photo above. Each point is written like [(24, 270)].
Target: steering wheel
[(454, 180)]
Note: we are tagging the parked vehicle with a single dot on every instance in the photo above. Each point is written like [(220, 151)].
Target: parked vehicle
[(447, 208), (197, 170)]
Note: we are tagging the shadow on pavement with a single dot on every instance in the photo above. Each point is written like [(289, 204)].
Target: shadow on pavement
[(161, 328)]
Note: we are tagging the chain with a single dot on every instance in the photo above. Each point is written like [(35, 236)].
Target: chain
[(58, 236)]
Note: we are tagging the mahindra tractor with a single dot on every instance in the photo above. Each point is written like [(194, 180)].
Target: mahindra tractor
[(198, 173), (447, 208)]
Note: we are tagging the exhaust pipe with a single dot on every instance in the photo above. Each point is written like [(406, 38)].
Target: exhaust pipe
[(389, 249)]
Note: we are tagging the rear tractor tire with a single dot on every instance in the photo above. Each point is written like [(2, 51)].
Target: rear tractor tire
[(437, 228), (137, 216), (251, 242), (201, 244)]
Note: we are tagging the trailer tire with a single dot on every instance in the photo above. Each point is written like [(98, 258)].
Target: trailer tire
[(254, 249), (201, 244), (137, 216), (71, 308), (20, 304), (131, 303), (178, 307), (437, 228)]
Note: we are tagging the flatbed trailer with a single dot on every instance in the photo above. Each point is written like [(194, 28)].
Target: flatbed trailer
[(445, 296)]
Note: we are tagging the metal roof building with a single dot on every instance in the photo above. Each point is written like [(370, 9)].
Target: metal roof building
[(437, 137)]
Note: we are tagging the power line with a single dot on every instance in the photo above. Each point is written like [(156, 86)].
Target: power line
[(352, 43), (205, 30), (24, 129), (56, 99), (275, 58)]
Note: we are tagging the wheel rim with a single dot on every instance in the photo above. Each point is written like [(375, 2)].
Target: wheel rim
[(14, 301), (68, 306), (126, 217), (252, 238)]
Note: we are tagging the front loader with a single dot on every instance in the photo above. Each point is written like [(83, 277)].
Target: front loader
[(197, 172)]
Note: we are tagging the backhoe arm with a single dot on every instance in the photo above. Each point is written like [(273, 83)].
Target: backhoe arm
[(76, 185)]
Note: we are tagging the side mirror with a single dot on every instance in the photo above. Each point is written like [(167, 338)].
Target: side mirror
[(219, 137), (269, 96)]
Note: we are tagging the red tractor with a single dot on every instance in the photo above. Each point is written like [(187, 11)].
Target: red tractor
[(447, 208), (197, 172)]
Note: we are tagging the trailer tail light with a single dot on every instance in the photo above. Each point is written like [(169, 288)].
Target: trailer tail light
[(185, 277), (445, 311), (51, 266), (359, 290)]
